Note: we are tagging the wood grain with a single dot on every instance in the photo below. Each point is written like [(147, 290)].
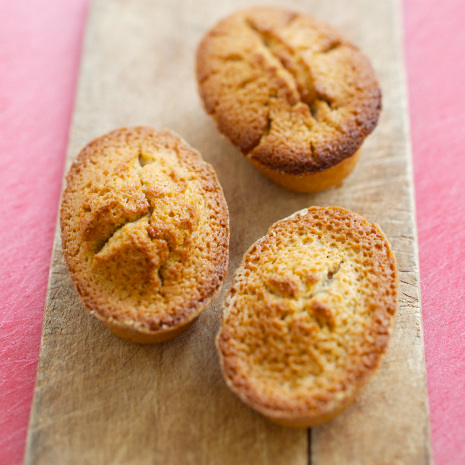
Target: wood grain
[(99, 399)]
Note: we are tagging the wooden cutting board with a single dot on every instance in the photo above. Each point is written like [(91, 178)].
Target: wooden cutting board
[(101, 400)]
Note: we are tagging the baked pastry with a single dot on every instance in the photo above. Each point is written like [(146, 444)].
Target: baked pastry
[(309, 315), (295, 96), (145, 232)]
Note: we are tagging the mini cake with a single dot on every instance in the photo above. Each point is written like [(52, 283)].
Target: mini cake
[(309, 315), (295, 96), (145, 232)]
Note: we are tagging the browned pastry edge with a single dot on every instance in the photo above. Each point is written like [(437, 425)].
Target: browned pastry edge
[(313, 182), (141, 335)]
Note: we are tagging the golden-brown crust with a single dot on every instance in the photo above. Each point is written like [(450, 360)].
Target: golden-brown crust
[(289, 91), (309, 315), (145, 232)]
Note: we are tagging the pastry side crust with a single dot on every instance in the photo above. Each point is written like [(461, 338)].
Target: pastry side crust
[(313, 182)]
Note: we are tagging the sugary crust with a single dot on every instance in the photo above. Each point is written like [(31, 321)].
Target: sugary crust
[(145, 232), (309, 315), (290, 92)]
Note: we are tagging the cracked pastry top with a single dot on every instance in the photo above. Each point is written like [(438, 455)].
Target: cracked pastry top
[(294, 95), (145, 232), (309, 315)]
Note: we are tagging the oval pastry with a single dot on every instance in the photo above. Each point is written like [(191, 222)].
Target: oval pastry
[(295, 96), (309, 315), (145, 232)]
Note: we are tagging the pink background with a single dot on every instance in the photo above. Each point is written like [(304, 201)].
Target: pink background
[(40, 47)]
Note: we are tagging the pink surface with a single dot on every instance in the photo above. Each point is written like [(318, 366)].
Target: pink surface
[(39, 56), (435, 46), (40, 45)]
